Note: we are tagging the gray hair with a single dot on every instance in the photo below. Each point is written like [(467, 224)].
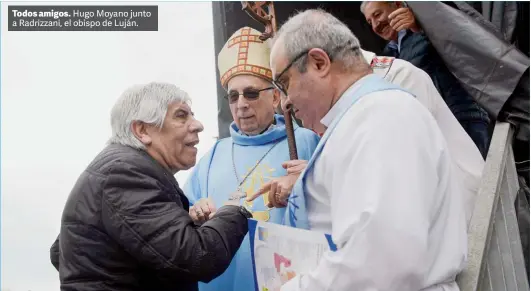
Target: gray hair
[(147, 103), (364, 5), (316, 28)]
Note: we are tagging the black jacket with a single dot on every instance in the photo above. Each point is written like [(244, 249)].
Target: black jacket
[(125, 226), (479, 55), (417, 49)]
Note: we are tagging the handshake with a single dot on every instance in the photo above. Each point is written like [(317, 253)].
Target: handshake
[(277, 190)]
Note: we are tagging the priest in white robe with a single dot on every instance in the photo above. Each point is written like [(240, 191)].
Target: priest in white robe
[(381, 180), (465, 154)]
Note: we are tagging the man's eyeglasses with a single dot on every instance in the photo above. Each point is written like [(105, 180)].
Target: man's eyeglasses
[(283, 89), (249, 94), (279, 86)]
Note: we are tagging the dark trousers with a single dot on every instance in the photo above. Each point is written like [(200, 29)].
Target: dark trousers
[(478, 130)]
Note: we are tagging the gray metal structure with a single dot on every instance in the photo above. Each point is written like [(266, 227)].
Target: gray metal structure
[(495, 257)]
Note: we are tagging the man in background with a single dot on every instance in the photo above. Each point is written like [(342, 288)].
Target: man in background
[(396, 24)]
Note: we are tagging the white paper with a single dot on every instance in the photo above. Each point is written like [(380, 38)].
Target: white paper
[(281, 253)]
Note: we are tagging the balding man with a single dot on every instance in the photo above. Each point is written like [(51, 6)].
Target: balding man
[(464, 153), (381, 180)]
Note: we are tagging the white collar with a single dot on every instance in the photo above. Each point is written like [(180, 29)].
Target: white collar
[(368, 56)]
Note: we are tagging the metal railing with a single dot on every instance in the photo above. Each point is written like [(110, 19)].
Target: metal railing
[(495, 257)]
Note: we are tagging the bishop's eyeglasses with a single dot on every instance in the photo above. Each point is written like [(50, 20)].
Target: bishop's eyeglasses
[(248, 93)]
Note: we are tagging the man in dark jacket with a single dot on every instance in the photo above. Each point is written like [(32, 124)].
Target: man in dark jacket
[(126, 225), (397, 24)]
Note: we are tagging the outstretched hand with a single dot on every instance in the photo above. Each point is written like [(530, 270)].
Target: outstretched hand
[(279, 189)]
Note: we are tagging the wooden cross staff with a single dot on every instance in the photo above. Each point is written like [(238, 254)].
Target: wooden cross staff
[(257, 10)]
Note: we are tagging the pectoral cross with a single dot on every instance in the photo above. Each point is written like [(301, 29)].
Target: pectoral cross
[(237, 195)]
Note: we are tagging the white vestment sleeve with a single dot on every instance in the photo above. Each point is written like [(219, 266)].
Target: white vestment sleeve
[(381, 165), (416, 81), (465, 153)]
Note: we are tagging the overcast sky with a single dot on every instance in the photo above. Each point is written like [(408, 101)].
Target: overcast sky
[(57, 91)]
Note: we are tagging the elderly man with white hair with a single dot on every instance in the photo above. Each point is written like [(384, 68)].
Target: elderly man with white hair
[(125, 225), (381, 181)]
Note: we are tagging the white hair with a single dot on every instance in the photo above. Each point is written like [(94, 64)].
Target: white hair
[(316, 28), (147, 103)]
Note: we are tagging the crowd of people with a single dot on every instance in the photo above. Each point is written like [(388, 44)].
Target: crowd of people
[(391, 154)]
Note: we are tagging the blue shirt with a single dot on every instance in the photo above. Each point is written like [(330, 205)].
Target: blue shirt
[(214, 176), (396, 46)]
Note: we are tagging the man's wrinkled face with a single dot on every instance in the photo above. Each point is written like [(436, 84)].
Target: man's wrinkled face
[(306, 93), (175, 143), (252, 101), (377, 15)]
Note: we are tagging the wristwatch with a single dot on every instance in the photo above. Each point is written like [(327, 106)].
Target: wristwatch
[(245, 212)]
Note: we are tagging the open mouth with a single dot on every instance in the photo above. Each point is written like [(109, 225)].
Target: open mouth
[(192, 144)]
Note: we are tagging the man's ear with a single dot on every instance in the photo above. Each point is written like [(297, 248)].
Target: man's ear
[(318, 60), (276, 98), (141, 132)]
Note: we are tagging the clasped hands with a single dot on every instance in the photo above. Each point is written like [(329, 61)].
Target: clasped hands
[(278, 191), (204, 209)]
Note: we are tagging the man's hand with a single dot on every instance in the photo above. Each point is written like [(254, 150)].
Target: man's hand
[(403, 18), (202, 210), (278, 190), (295, 166)]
